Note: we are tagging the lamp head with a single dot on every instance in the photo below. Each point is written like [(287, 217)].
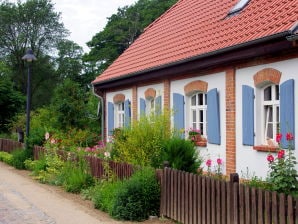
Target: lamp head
[(29, 56)]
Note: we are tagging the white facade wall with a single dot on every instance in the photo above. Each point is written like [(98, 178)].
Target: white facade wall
[(216, 80), (246, 157)]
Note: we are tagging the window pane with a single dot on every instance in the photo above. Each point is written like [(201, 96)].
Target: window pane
[(194, 116), (268, 113), (270, 131), (277, 114), (201, 119), (277, 92), (267, 94), (200, 96), (193, 100), (205, 99), (202, 128)]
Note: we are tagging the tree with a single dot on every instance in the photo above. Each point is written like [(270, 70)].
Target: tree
[(121, 30), (69, 61), (11, 102), (32, 24)]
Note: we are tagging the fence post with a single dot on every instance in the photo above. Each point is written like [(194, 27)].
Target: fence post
[(234, 178)]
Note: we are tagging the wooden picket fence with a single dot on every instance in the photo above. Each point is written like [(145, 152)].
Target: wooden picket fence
[(194, 199), (8, 145)]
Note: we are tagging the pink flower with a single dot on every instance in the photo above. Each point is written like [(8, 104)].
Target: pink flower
[(289, 136), (278, 137), (219, 161), (209, 162), (270, 158), (281, 154)]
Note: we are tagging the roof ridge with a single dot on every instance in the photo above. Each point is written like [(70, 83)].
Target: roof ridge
[(162, 15)]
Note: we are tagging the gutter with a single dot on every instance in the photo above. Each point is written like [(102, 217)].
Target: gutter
[(100, 107), (284, 34)]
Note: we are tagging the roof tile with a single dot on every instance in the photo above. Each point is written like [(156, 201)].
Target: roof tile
[(196, 27)]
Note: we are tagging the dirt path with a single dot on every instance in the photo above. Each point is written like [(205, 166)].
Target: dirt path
[(24, 200)]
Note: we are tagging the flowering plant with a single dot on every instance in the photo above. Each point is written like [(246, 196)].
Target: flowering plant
[(218, 168), (193, 131), (282, 172)]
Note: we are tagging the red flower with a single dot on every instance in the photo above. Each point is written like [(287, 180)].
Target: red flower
[(270, 158), (281, 154), (278, 137), (209, 162), (219, 161), (289, 136)]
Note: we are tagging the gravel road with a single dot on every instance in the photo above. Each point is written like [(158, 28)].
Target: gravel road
[(26, 201)]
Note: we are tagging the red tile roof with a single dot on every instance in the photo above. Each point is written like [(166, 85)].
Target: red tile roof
[(196, 27)]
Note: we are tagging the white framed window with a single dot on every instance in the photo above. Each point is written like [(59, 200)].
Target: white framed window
[(150, 106), (119, 115), (271, 117), (198, 112)]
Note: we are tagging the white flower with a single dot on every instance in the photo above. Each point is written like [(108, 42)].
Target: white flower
[(107, 154), (47, 135)]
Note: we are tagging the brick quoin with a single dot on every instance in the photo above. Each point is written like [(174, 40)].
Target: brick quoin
[(230, 121), (166, 93), (134, 105), (266, 76)]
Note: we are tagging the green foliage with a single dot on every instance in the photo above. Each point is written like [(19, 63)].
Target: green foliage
[(104, 195), (18, 158), (121, 31), (252, 180), (181, 154), (138, 198), (11, 102), (6, 157), (283, 174), (68, 102), (76, 176), (30, 24), (141, 143)]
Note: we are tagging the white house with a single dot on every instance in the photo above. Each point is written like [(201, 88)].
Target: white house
[(226, 67)]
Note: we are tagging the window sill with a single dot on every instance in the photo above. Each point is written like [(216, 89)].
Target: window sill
[(265, 148), (202, 143)]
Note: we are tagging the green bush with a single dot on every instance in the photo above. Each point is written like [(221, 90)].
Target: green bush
[(181, 154), (104, 195), (5, 157), (138, 198), (36, 165), (18, 158), (76, 176), (141, 143)]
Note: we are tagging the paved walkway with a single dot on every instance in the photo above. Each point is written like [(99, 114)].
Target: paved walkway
[(25, 201)]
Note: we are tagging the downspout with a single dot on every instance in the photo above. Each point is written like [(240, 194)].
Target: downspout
[(101, 102)]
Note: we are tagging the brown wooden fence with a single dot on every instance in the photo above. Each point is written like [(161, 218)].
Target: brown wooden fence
[(8, 145), (192, 199)]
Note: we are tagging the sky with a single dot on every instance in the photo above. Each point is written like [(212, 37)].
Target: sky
[(85, 18)]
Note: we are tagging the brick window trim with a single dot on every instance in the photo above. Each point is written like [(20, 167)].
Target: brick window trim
[(267, 76), (150, 94), (119, 98), (195, 86), (265, 148)]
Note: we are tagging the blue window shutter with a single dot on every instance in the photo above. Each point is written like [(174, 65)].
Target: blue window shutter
[(158, 105), (247, 115), (178, 107), (213, 117), (142, 106), (110, 118), (287, 110), (127, 113)]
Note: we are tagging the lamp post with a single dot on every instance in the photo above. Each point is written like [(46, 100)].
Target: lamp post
[(29, 57)]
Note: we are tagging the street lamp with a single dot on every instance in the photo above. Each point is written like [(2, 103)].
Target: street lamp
[(29, 57)]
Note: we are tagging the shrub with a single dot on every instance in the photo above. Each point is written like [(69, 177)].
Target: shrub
[(36, 165), (104, 195), (76, 176), (141, 143), (18, 158), (5, 157), (138, 198), (181, 154)]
